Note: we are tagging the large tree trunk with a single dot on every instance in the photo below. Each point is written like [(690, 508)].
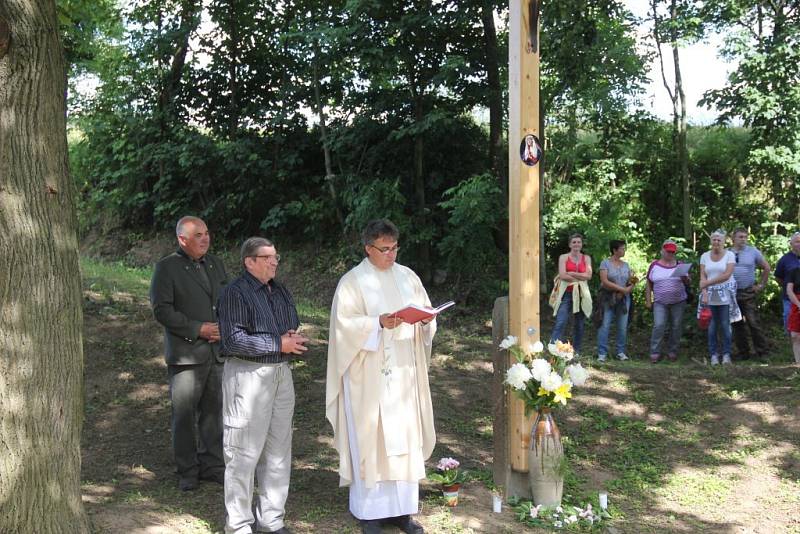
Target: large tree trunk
[(41, 357)]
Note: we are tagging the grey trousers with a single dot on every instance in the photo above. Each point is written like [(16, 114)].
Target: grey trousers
[(196, 395), (258, 404), (664, 314)]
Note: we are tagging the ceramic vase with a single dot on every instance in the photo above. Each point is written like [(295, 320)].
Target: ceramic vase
[(545, 460)]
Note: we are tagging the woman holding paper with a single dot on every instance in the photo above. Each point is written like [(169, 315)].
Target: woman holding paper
[(666, 294), (718, 292), (571, 296)]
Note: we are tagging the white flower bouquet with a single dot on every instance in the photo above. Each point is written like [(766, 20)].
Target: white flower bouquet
[(543, 380)]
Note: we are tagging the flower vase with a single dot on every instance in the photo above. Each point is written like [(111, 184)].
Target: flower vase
[(545, 458), (451, 494)]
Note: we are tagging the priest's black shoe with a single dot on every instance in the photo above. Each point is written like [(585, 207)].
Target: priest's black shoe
[(407, 524), (372, 526)]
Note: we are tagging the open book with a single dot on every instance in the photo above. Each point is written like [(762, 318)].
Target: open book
[(413, 313)]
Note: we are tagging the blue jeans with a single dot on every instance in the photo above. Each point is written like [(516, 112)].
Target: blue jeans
[(562, 318), (661, 313), (609, 314), (720, 322), (787, 305)]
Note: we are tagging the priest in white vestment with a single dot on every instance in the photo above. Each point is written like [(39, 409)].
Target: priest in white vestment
[(377, 397)]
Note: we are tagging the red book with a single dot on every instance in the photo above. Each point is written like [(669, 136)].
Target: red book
[(413, 313)]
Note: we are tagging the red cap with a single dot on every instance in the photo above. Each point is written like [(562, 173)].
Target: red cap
[(670, 247)]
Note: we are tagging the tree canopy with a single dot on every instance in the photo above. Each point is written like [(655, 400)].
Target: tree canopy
[(306, 118)]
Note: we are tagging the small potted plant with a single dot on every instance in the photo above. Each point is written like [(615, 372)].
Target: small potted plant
[(449, 476)]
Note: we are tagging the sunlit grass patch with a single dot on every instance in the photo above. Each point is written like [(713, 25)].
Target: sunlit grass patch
[(441, 522), (112, 279), (697, 489)]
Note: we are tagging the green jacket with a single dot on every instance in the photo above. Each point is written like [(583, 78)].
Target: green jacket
[(182, 302)]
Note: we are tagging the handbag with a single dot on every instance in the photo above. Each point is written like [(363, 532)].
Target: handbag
[(553, 300), (704, 319)]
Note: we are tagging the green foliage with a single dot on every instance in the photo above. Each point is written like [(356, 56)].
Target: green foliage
[(224, 120), (475, 213)]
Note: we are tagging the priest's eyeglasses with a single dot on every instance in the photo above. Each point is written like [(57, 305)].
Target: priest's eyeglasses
[(276, 257), (386, 250)]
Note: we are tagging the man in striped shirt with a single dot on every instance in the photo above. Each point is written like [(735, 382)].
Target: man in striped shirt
[(258, 327)]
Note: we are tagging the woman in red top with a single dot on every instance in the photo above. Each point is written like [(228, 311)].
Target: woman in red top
[(573, 266)]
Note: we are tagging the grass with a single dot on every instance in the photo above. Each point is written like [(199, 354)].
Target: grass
[(669, 443), (115, 278)]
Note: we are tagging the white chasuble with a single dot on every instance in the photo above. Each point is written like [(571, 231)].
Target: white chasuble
[(389, 396)]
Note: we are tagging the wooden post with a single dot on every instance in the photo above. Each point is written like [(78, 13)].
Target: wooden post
[(523, 205)]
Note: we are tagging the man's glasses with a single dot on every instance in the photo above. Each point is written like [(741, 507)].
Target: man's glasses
[(386, 250), (736, 254), (276, 257)]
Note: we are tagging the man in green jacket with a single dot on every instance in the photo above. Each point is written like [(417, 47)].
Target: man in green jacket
[(183, 294)]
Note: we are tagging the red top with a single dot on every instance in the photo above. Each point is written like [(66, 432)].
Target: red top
[(573, 268)]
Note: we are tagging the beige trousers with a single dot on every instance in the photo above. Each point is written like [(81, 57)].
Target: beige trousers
[(257, 408)]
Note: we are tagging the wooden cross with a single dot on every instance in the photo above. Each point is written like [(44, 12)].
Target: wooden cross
[(523, 203)]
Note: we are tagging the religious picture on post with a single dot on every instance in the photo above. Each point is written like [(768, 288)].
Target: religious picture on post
[(530, 150)]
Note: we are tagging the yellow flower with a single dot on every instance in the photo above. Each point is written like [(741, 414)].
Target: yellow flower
[(564, 347), (542, 392), (562, 393)]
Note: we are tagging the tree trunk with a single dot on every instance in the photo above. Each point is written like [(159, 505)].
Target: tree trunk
[(172, 80), (419, 191), (683, 151), (323, 134), (233, 82), (41, 357), (495, 97), (678, 98)]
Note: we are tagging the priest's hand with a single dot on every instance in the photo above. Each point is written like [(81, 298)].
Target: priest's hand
[(389, 320), (293, 343)]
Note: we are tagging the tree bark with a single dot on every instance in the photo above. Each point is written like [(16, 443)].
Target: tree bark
[(41, 357), (678, 98), (495, 96), (419, 190), (172, 79), (323, 134), (233, 82)]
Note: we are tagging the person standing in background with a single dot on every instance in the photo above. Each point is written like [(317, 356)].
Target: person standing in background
[(183, 294), (788, 263), (571, 296), (718, 292), (666, 295), (748, 258), (614, 297)]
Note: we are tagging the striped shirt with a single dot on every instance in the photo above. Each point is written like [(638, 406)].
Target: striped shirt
[(252, 319), (666, 288)]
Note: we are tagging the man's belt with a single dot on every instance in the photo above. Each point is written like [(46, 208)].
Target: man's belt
[(263, 358)]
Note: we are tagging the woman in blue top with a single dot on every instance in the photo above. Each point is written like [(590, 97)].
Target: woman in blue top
[(615, 299)]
